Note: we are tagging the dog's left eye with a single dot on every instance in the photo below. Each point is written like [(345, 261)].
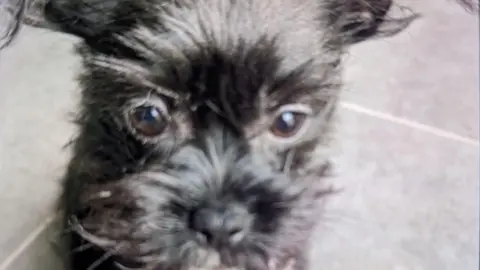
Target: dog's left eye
[(148, 120), (287, 124), (290, 121)]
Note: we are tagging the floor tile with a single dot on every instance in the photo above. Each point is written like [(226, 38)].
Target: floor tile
[(429, 73), (35, 99), (409, 201), (43, 253)]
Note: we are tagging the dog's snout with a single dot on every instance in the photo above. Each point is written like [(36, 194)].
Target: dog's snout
[(220, 224)]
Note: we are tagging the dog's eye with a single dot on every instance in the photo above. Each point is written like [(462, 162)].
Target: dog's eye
[(289, 121), (287, 124), (148, 120)]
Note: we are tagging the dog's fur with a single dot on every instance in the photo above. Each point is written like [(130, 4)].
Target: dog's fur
[(222, 70)]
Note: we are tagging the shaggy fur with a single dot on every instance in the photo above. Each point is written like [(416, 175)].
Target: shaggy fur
[(217, 188)]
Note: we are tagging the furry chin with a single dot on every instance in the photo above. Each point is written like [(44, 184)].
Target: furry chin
[(212, 262), (271, 266)]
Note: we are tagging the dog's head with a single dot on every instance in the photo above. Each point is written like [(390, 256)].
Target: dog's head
[(204, 124)]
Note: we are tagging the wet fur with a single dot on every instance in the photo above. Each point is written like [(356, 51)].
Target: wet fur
[(224, 68)]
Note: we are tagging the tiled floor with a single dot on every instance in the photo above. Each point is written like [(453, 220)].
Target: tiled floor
[(407, 154), (428, 74), (35, 99)]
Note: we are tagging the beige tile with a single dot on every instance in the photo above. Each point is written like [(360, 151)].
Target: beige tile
[(35, 98), (429, 73), (410, 201), (42, 254)]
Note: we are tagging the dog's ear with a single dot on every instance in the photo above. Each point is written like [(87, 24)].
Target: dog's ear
[(91, 19), (359, 20)]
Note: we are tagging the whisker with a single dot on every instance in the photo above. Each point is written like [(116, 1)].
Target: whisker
[(78, 228), (107, 255), (123, 267), (83, 247)]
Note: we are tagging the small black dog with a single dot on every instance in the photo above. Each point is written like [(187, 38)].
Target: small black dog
[(204, 127)]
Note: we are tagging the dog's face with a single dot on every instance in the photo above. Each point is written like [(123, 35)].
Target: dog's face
[(204, 125)]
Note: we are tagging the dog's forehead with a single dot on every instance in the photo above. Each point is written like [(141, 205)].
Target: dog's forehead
[(226, 23), (287, 32), (231, 54)]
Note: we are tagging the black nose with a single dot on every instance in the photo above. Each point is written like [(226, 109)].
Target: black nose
[(220, 224)]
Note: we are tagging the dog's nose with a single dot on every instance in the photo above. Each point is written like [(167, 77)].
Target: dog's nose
[(220, 225)]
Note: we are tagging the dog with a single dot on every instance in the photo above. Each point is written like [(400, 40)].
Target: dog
[(204, 127)]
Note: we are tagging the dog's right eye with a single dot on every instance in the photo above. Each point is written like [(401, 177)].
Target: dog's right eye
[(149, 120)]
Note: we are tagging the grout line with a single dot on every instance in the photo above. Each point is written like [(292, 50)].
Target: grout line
[(409, 123), (346, 105), (27, 242)]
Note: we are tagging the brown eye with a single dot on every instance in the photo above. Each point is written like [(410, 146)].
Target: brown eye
[(148, 120), (288, 123)]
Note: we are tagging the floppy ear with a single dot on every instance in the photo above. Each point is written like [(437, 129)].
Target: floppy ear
[(97, 22), (359, 20), (92, 19)]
